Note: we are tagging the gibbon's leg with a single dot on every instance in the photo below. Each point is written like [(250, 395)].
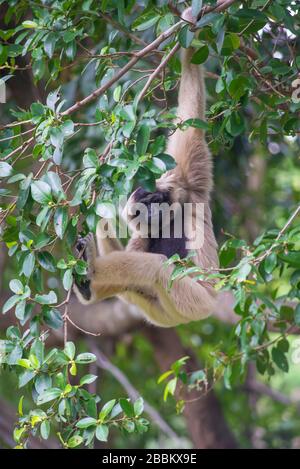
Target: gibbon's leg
[(123, 272)]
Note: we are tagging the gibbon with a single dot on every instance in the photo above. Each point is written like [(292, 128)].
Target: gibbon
[(139, 274)]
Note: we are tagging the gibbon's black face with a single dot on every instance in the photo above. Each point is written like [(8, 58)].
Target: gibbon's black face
[(160, 245), (148, 198)]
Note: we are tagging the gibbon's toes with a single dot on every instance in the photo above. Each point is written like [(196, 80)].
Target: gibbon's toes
[(188, 16), (84, 245)]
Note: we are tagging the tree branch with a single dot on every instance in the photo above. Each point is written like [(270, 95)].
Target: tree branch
[(264, 390), (221, 6)]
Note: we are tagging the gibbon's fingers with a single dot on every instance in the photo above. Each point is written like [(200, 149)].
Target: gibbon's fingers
[(86, 248)]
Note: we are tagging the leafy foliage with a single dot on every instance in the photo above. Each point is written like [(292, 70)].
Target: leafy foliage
[(61, 162)]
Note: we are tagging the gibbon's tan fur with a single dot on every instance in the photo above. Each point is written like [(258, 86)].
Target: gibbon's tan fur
[(141, 277)]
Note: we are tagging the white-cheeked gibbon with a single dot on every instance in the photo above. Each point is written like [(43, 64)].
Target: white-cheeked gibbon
[(138, 273)]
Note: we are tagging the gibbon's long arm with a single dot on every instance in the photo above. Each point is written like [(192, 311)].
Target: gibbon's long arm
[(188, 147), (142, 277)]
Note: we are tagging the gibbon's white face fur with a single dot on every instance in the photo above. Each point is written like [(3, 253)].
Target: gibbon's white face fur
[(139, 274)]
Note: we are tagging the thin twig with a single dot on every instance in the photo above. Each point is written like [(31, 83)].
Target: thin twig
[(157, 71), (24, 145)]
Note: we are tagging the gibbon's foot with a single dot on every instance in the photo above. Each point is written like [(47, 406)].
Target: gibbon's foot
[(85, 247), (80, 247)]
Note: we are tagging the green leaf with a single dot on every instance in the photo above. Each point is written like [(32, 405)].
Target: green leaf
[(201, 55), (185, 36), (73, 369), (16, 286), (86, 422), (15, 355), (90, 159), (238, 87), (83, 358), (20, 406), (129, 426), (164, 376), (88, 379), (280, 359), (196, 7), (20, 310), (102, 432), (68, 279), (138, 406), (28, 264), (207, 19), (117, 93), (170, 388), (235, 124), (142, 26), (10, 303), (25, 377), (74, 441), (106, 409), (292, 258), (5, 169), (142, 140), (52, 317), (42, 383), (197, 123), (41, 192), (54, 182), (49, 44), (69, 350), (47, 299), (127, 407), (243, 272), (29, 24), (270, 263), (45, 429), (46, 261), (49, 395), (168, 160), (25, 363), (60, 221), (227, 377)]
